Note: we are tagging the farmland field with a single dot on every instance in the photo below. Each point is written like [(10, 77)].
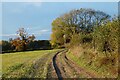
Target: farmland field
[(26, 64), (57, 63)]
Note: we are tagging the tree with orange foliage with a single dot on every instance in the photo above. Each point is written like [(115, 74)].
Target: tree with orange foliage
[(23, 39)]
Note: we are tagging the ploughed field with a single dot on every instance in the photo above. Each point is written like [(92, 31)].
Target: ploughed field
[(42, 64)]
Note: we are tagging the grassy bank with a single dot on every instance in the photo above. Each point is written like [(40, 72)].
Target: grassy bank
[(95, 62)]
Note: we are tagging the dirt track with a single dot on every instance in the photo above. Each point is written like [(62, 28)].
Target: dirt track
[(62, 67)]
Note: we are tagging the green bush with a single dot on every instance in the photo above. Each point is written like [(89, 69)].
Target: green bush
[(106, 37)]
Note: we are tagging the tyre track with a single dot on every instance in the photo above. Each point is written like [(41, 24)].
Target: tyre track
[(81, 70), (39, 68), (69, 68), (66, 68), (38, 65), (62, 67), (51, 74), (57, 70)]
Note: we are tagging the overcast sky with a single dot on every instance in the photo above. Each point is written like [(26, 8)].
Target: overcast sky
[(36, 17)]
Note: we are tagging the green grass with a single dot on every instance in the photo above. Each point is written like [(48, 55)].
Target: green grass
[(20, 64), (83, 62), (0, 65)]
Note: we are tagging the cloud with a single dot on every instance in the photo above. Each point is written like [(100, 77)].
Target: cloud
[(8, 35), (35, 4), (44, 30), (40, 32), (35, 33), (23, 7), (37, 29)]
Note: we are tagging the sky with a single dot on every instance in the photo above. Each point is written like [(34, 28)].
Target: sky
[(36, 17)]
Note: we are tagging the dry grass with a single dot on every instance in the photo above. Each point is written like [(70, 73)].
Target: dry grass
[(97, 61), (0, 42)]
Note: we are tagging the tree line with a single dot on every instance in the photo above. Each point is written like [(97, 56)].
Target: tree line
[(86, 26), (24, 42)]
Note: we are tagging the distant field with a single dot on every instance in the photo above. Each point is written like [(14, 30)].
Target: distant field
[(24, 64)]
